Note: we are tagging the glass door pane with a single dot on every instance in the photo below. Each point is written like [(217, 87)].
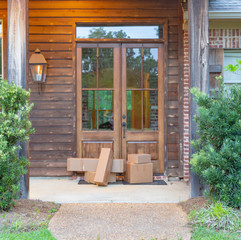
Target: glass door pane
[(106, 121), (97, 89), (134, 110), (89, 110), (141, 88), (89, 68), (133, 67)]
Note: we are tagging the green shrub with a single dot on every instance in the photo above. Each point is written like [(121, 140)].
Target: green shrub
[(218, 157), (221, 170), (218, 117), (15, 128)]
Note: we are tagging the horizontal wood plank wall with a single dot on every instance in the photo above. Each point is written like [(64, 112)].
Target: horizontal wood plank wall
[(51, 30)]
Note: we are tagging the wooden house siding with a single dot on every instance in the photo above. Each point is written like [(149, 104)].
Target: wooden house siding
[(52, 30)]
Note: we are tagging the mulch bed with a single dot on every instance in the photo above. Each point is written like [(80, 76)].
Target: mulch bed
[(28, 215), (194, 204)]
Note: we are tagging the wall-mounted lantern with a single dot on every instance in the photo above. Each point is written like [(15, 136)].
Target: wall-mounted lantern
[(38, 67)]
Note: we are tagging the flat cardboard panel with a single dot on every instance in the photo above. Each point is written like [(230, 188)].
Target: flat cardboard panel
[(139, 173), (90, 165), (74, 164), (104, 167), (139, 158)]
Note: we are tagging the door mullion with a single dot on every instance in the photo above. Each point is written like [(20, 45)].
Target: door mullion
[(117, 101), (142, 86), (79, 104), (97, 83), (124, 99)]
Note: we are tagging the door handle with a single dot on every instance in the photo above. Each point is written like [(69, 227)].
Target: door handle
[(124, 129)]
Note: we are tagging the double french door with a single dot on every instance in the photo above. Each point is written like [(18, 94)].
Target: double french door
[(120, 100)]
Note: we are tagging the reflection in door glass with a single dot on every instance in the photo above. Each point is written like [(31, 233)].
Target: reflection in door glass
[(89, 61), (133, 64), (150, 67), (134, 119), (89, 110), (106, 110), (150, 110), (105, 67)]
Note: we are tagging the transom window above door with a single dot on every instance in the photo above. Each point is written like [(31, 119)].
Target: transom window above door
[(120, 32)]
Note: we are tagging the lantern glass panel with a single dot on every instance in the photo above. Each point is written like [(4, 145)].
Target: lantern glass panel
[(38, 72)]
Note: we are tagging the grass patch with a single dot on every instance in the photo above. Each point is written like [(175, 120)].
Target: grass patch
[(208, 234), (42, 234), (216, 222), (218, 217), (28, 220)]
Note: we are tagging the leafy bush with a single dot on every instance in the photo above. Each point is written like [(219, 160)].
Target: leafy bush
[(217, 217), (15, 128), (218, 157)]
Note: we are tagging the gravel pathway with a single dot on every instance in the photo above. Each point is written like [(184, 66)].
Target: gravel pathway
[(120, 221)]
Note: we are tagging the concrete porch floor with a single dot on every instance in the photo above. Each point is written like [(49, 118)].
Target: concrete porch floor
[(66, 190)]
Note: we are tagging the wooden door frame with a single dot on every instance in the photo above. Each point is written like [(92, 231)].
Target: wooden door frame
[(164, 159), (161, 102), (117, 97)]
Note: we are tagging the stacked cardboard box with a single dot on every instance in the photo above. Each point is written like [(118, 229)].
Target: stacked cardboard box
[(139, 168)]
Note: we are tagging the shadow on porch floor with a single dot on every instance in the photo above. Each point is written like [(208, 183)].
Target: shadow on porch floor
[(66, 190)]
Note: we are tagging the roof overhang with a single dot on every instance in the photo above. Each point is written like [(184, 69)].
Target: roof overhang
[(224, 15)]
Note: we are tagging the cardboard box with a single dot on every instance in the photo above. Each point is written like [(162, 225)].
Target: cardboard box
[(104, 167), (74, 164), (139, 158), (118, 166), (89, 177), (139, 173), (112, 178), (90, 165)]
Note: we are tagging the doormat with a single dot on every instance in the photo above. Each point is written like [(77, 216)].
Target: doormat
[(155, 182)]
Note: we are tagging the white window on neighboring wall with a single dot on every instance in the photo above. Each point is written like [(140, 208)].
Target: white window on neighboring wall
[(230, 57), (1, 54)]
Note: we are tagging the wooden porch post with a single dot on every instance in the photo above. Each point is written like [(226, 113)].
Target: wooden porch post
[(199, 50), (17, 59)]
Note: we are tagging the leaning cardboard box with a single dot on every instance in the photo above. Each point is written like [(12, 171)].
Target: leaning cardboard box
[(104, 167), (139, 173)]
